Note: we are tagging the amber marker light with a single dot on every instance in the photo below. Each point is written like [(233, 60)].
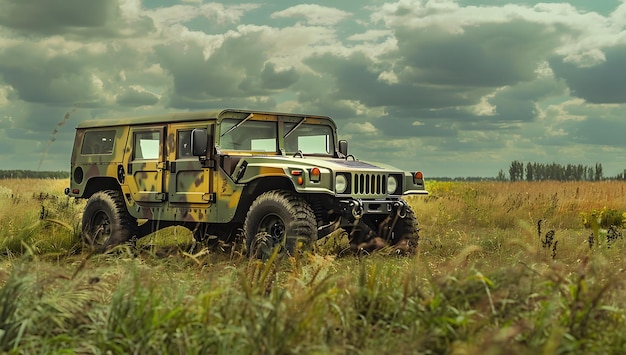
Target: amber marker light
[(316, 174), (298, 173), (418, 177)]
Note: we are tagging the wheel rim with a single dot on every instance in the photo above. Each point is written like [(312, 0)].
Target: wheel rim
[(100, 227), (273, 225)]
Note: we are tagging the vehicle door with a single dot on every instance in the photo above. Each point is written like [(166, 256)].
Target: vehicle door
[(189, 177), (146, 164)]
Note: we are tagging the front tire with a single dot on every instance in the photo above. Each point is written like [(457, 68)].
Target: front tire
[(279, 219), (106, 221), (405, 235), (372, 234)]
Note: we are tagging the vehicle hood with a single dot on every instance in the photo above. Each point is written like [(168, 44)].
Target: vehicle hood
[(334, 164)]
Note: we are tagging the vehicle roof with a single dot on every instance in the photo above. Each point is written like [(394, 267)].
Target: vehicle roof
[(185, 116)]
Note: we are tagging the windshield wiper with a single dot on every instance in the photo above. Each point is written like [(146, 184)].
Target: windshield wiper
[(237, 125), (295, 127)]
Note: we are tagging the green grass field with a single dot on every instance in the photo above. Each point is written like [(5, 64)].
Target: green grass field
[(521, 268)]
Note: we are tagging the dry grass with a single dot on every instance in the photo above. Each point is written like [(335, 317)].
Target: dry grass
[(34, 208), (486, 279)]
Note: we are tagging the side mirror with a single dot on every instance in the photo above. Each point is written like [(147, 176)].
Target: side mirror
[(343, 147), (199, 142)]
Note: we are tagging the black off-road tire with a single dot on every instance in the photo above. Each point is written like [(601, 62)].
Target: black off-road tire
[(403, 238), (279, 218), (405, 235), (106, 221)]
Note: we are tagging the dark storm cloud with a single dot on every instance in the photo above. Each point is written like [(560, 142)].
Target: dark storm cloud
[(37, 77), (236, 70), (274, 80), (490, 55), (133, 98), (357, 78), (437, 70), (52, 16), (92, 18), (518, 103), (601, 83)]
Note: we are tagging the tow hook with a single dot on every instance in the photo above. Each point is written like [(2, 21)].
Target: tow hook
[(400, 208), (357, 208)]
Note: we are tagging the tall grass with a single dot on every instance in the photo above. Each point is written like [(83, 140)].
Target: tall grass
[(32, 208), (475, 286)]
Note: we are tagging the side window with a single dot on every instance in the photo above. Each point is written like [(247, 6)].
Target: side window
[(184, 143), (146, 145), (98, 142)]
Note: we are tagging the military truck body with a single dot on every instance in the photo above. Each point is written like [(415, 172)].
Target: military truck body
[(206, 170)]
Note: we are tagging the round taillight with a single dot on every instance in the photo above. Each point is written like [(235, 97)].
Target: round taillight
[(419, 175)]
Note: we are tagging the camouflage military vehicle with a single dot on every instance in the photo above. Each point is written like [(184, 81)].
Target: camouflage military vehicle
[(281, 178)]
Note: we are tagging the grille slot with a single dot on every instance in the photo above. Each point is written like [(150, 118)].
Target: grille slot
[(369, 184)]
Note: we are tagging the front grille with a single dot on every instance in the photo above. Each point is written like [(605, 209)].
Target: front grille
[(369, 184)]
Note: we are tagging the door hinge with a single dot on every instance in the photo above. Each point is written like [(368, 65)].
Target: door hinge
[(207, 163)]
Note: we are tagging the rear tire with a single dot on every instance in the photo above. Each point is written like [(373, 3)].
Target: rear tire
[(279, 219), (106, 221)]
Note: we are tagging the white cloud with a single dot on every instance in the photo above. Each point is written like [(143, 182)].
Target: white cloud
[(388, 77), (362, 128), (4, 95), (588, 58), (314, 14), (215, 12), (371, 35)]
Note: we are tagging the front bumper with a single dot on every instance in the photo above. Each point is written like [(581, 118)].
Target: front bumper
[(356, 208)]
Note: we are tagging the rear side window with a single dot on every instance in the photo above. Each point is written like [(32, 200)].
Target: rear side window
[(98, 142)]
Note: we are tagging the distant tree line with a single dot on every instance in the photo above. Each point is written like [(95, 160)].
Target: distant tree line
[(30, 174), (461, 178), (518, 171)]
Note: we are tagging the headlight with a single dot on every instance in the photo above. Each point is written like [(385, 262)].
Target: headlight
[(341, 184), (392, 184)]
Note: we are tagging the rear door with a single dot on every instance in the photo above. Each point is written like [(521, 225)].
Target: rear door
[(146, 165), (187, 180)]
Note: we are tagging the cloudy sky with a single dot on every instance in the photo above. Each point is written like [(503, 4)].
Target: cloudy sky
[(450, 87)]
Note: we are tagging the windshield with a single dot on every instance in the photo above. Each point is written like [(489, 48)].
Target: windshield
[(309, 138), (261, 136), (252, 135)]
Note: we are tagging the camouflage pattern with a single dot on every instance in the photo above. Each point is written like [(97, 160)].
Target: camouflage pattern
[(145, 158)]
